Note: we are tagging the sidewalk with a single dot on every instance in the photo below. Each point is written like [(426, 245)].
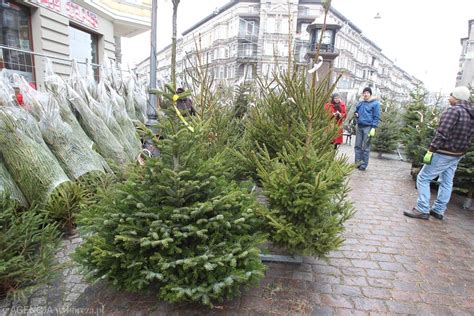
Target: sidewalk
[(389, 264)]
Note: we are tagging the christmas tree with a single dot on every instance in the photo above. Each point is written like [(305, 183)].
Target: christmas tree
[(177, 224), (419, 127), (302, 175), (388, 133), (464, 177), (28, 244)]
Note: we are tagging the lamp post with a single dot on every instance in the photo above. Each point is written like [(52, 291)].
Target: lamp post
[(152, 114), (322, 44)]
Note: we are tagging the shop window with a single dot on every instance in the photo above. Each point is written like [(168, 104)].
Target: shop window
[(15, 39), (83, 46)]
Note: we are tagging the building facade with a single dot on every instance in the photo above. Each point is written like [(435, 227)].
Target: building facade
[(249, 37), (465, 76), (87, 30)]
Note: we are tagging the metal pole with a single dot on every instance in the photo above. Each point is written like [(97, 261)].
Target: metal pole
[(152, 111)]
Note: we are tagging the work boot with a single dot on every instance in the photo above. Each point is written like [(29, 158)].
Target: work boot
[(414, 213)]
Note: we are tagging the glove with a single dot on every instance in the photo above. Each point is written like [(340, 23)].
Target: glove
[(427, 158), (372, 132), (175, 97)]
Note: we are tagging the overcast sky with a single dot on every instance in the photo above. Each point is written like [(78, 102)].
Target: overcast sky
[(420, 36)]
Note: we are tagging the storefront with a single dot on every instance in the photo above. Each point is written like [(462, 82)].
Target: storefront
[(15, 37), (62, 30)]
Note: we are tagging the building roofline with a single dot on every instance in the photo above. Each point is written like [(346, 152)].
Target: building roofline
[(216, 13)]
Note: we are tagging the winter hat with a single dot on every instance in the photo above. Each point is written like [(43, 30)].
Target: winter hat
[(461, 93), (335, 94), (368, 90)]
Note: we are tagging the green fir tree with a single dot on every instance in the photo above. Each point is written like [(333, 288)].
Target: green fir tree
[(464, 177), (28, 244), (302, 175), (388, 132), (419, 127), (178, 224)]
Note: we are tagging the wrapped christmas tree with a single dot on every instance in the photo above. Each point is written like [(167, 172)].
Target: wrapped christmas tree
[(178, 224)]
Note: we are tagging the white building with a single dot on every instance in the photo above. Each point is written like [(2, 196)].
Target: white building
[(65, 29), (465, 75), (248, 37)]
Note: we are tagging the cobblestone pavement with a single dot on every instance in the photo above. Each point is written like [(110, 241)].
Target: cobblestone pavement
[(389, 264)]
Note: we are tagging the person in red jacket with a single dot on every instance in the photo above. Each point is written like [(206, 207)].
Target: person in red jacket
[(337, 110)]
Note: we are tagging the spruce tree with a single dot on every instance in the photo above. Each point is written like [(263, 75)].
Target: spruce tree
[(388, 133), (178, 224), (419, 127), (28, 244), (464, 177), (302, 175)]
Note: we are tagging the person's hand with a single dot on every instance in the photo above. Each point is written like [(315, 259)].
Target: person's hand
[(372, 132), (427, 158)]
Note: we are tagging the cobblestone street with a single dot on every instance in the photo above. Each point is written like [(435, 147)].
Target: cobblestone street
[(389, 264)]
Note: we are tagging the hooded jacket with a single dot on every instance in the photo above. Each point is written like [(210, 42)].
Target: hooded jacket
[(455, 130), (368, 113)]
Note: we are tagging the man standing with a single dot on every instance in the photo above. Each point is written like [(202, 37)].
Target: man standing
[(452, 140), (368, 117)]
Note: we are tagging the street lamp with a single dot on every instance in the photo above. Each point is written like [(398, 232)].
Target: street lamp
[(152, 114), (322, 46), (327, 48)]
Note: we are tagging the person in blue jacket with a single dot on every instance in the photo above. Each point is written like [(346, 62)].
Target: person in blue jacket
[(368, 117)]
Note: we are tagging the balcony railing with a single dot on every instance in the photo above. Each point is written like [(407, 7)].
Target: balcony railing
[(247, 54), (251, 37)]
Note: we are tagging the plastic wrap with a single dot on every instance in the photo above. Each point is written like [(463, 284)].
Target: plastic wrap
[(7, 93), (118, 115), (57, 87), (107, 144), (32, 165), (73, 152), (140, 104), (8, 187), (129, 98), (91, 84)]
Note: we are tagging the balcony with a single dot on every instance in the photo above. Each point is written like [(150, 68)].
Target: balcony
[(247, 56), (248, 37)]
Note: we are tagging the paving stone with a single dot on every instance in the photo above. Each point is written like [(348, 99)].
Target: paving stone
[(384, 283), (354, 280), (368, 304), (402, 308), (334, 300)]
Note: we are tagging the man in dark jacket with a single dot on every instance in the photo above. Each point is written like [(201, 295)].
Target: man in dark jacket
[(185, 105), (368, 117), (452, 140)]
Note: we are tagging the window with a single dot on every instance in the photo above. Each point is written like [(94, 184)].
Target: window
[(304, 35), (248, 28), (83, 47), (15, 33)]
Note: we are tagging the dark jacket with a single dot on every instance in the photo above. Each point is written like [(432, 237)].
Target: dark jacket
[(368, 113), (185, 106), (455, 130)]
